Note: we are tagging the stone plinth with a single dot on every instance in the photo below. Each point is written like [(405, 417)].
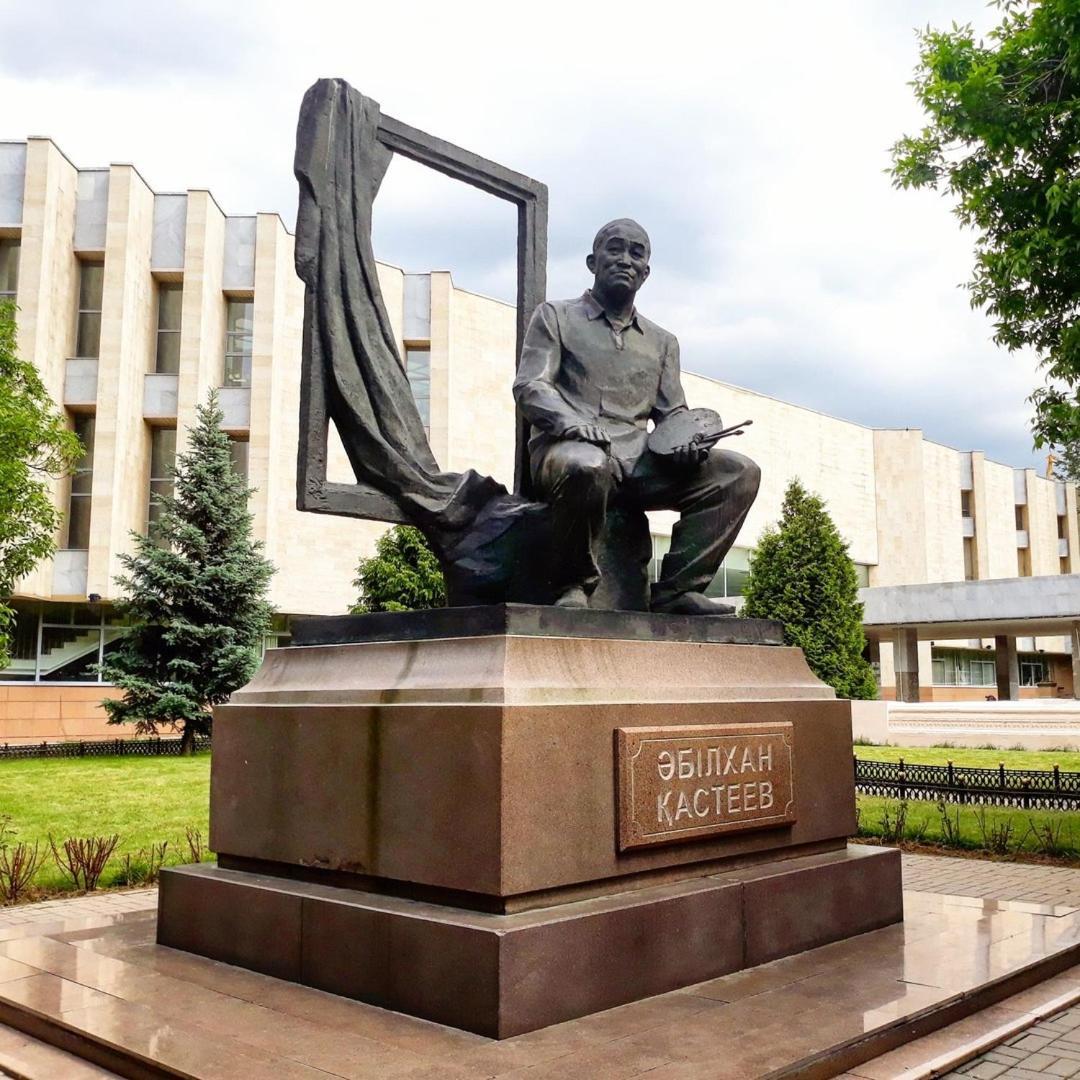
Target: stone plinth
[(387, 813)]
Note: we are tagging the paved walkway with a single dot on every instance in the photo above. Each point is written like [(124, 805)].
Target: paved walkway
[(29, 916), (992, 880), (1048, 1049)]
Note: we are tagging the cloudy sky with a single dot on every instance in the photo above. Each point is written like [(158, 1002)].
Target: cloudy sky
[(750, 139)]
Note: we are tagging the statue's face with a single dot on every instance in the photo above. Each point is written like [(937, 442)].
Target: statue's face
[(620, 264)]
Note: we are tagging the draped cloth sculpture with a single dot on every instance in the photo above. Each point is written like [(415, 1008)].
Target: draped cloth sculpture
[(487, 539)]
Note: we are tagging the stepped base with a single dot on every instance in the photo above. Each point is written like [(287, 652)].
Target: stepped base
[(502, 975)]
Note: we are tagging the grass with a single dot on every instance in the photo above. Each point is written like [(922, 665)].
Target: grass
[(999, 830), (144, 799), (1066, 760)]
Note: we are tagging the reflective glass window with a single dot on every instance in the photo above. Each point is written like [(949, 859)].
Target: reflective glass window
[(239, 324), (167, 359), (418, 369), (162, 463), (91, 280), (9, 267), (82, 482)]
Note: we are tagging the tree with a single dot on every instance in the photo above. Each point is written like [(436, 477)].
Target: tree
[(403, 574), (194, 593), (1004, 140), (802, 575), (1065, 463), (35, 449)]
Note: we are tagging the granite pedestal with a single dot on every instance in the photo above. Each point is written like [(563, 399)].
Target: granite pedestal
[(507, 817)]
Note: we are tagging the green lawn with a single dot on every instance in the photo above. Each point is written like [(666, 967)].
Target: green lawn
[(144, 799), (1067, 760), (1000, 830)]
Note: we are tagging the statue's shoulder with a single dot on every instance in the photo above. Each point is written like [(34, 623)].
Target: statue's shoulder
[(656, 330)]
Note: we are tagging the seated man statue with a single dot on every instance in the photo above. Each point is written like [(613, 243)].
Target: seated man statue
[(593, 372)]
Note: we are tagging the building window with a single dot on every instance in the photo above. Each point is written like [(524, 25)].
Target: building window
[(965, 504), (1021, 518), (162, 463), (167, 357), (9, 268), (954, 667), (238, 446), (88, 338), (418, 370), (1033, 671), (1063, 565), (1023, 562), (661, 545), (82, 480), (239, 320), (731, 578), (1063, 529), (971, 568), (60, 643)]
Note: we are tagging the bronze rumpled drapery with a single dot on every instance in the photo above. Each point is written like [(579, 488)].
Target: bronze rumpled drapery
[(488, 541), (340, 165)]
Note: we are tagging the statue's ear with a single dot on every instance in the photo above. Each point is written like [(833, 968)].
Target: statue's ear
[(645, 273), (590, 262)]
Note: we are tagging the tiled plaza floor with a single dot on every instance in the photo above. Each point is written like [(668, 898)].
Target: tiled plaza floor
[(992, 880), (92, 959)]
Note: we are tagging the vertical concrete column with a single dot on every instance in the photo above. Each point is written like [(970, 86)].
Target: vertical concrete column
[(1074, 644), (1008, 668), (268, 472), (48, 291), (442, 296), (202, 324), (906, 660), (980, 515), (873, 647), (128, 324)]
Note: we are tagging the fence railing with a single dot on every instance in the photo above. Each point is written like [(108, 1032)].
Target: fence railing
[(1049, 789), (156, 747)]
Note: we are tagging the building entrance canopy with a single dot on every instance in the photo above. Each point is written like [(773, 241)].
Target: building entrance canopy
[(1013, 607), (1004, 609)]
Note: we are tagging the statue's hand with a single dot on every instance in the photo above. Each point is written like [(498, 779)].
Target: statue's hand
[(590, 433), (689, 456)]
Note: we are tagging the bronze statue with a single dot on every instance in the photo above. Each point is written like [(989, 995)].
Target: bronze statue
[(593, 372)]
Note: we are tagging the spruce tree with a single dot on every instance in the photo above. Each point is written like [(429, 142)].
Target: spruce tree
[(403, 574), (802, 575), (194, 594)]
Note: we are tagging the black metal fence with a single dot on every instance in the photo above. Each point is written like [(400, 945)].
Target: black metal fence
[(1048, 789), (156, 747)]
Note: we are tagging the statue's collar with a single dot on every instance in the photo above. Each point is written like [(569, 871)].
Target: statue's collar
[(593, 310)]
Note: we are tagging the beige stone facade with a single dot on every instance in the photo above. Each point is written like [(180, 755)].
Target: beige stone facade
[(912, 511)]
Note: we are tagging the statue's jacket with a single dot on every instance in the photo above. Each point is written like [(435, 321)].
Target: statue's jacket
[(577, 367)]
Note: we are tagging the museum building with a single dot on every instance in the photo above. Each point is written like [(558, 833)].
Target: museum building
[(134, 304)]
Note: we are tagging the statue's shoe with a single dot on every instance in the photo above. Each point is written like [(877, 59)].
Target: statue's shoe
[(574, 597), (691, 603)]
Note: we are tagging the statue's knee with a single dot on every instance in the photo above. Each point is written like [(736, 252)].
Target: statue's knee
[(585, 470), (750, 476)]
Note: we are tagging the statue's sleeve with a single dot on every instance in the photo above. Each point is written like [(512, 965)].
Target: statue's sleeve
[(535, 388), (670, 397)]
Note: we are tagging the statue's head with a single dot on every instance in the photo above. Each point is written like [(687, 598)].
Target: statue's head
[(619, 261)]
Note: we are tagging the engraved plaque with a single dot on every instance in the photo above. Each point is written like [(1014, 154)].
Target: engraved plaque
[(688, 782)]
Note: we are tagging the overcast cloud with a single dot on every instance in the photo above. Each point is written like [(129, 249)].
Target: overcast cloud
[(750, 139)]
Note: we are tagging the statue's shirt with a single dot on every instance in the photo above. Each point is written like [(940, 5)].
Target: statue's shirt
[(579, 367)]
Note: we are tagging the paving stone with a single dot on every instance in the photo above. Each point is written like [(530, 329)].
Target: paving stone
[(1030, 1042), (1037, 1062), (985, 1070)]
